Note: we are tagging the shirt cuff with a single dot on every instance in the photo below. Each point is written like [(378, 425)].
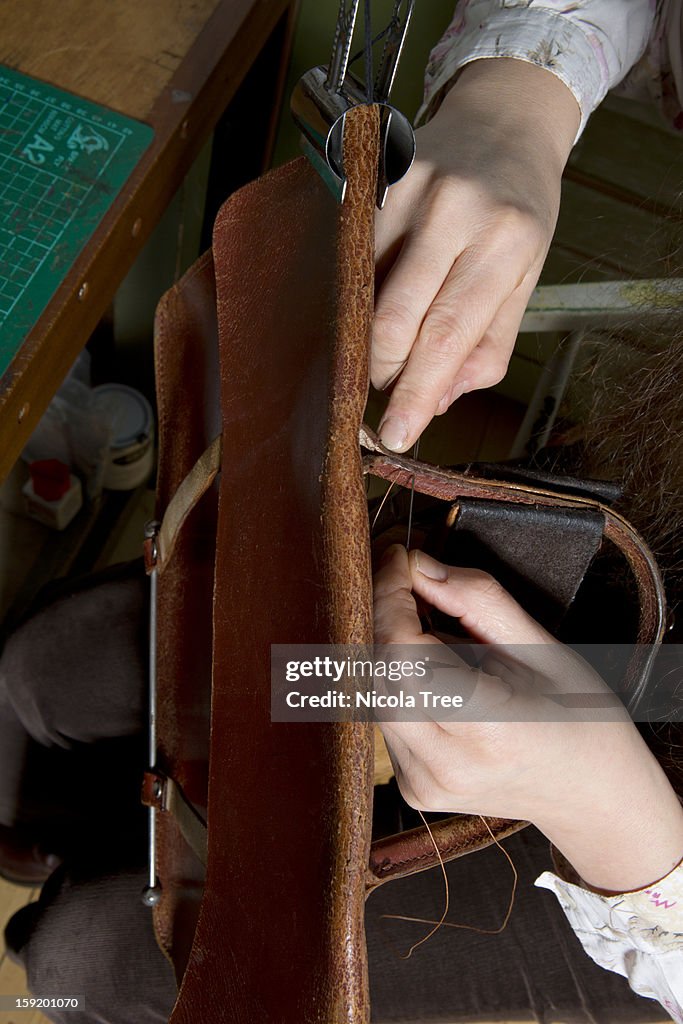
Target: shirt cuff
[(636, 934), (536, 36)]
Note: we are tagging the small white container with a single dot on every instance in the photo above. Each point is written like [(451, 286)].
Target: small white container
[(131, 456), (58, 513)]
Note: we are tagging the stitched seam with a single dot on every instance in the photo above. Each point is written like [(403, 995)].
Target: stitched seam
[(444, 851)]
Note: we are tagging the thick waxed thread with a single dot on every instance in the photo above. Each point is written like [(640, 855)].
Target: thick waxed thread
[(382, 504), (416, 449), (369, 75), (378, 38), (442, 922), (391, 27)]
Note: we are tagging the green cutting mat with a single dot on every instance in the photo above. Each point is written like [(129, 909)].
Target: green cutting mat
[(62, 162)]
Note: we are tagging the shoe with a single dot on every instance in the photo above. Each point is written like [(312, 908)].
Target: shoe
[(18, 931), (23, 861)]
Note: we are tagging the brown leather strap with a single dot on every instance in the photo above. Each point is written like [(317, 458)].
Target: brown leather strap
[(404, 854), (163, 793), (186, 361), (193, 487)]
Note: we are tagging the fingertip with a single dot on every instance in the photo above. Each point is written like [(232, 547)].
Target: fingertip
[(398, 432), (428, 566), (394, 433), (408, 413)]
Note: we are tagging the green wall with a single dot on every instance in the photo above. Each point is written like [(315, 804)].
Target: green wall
[(313, 41)]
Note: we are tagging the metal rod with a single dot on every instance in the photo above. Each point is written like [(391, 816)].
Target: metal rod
[(152, 719), (393, 47), (152, 892), (153, 668), (341, 47)]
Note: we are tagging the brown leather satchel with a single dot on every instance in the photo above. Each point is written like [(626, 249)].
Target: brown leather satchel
[(262, 370)]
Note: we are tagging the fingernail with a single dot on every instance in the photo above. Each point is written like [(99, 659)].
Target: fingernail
[(393, 432), (429, 567)]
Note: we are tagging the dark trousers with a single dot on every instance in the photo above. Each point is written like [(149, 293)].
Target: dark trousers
[(72, 714)]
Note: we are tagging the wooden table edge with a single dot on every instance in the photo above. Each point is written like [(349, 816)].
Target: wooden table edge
[(209, 75)]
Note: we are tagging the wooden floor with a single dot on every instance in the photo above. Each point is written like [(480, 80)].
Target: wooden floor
[(12, 978)]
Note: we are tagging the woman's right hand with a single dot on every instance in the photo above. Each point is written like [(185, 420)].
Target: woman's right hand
[(463, 237)]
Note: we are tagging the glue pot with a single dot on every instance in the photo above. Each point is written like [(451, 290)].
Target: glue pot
[(131, 453), (52, 494)]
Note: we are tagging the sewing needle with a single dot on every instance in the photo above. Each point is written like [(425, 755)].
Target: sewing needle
[(416, 448)]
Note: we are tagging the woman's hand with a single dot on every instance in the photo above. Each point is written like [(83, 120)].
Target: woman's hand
[(463, 237), (593, 787)]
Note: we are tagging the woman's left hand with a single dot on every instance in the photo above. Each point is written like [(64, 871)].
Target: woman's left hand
[(592, 786)]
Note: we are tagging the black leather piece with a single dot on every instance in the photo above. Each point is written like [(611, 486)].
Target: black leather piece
[(606, 491), (540, 555)]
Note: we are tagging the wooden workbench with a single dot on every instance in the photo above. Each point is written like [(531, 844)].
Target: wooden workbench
[(174, 64)]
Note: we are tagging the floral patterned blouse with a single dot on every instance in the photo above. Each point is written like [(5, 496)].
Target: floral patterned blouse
[(593, 46)]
